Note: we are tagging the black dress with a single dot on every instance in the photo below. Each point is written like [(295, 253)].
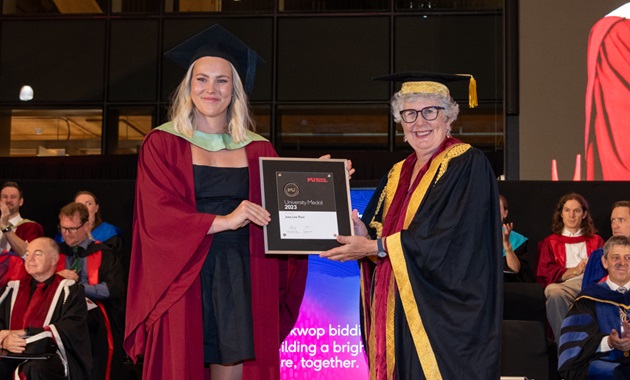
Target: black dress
[(228, 335)]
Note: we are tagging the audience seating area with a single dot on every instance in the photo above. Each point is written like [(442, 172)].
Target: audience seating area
[(527, 350)]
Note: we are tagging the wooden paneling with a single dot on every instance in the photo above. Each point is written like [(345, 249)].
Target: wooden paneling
[(199, 5), (74, 6)]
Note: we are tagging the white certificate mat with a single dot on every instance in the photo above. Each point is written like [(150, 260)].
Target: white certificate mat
[(309, 203), (308, 225)]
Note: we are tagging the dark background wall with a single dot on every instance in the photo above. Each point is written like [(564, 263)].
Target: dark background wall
[(308, 59), (44, 199)]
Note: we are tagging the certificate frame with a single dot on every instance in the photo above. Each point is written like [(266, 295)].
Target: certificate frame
[(313, 193)]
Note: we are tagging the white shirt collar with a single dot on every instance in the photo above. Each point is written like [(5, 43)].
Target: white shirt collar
[(566, 232), (614, 286), (16, 219)]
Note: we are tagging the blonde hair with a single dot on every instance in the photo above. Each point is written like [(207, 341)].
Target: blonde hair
[(239, 117)]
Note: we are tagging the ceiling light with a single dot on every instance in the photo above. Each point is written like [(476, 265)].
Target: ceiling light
[(26, 93)]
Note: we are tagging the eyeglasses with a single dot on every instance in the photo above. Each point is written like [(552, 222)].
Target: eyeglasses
[(428, 113), (70, 230)]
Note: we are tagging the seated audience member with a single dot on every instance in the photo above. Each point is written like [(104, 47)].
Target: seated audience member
[(101, 231), (595, 339), (11, 267), (44, 305), (95, 266), (15, 231), (515, 264), (563, 255), (523, 297), (620, 226)]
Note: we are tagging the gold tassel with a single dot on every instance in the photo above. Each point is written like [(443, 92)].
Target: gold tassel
[(472, 93)]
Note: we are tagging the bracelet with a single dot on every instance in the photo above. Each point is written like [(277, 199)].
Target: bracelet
[(7, 228)]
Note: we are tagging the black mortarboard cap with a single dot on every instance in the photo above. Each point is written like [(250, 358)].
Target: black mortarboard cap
[(218, 42), (427, 82)]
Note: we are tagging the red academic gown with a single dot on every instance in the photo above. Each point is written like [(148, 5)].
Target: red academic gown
[(164, 313), (607, 128), (552, 257), (65, 312), (28, 230), (11, 267)]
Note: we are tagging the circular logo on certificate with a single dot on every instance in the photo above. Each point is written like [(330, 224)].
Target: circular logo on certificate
[(291, 189)]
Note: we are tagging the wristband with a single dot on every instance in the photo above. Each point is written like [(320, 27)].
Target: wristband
[(381, 250)]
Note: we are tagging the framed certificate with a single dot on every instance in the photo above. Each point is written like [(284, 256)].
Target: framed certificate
[(309, 203)]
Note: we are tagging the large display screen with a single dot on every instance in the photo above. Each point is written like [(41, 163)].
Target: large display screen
[(326, 341)]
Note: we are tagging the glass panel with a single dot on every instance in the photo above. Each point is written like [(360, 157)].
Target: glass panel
[(435, 5), (346, 127), (54, 133), (262, 116), (218, 5), (136, 6), (459, 55), (333, 5), (132, 127), (37, 7), (481, 127), (318, 58)]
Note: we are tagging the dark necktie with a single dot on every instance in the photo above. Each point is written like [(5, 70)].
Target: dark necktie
[(34, 305), (623, 314)]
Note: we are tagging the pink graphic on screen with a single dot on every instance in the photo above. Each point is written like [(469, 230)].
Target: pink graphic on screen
[(326, 342)]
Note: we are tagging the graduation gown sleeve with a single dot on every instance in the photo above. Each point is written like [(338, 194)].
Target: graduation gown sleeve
[(72, 327), (169, 246), (549, 269)]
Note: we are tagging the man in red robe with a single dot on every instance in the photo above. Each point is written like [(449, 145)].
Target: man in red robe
[(44, 315), (563, 256), (15, 231), (11, 267)]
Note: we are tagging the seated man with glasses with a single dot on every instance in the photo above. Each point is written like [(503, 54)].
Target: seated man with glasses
[(97, 268), (595, 339)]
